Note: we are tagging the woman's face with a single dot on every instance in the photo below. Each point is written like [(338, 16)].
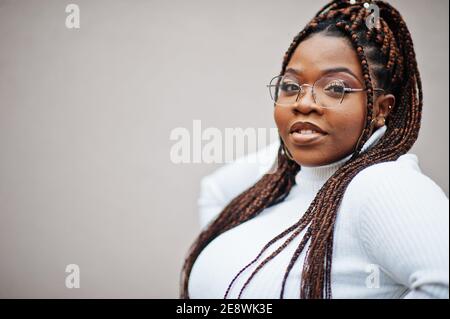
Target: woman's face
[(317, 57)]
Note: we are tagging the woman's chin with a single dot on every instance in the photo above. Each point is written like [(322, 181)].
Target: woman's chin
[(309, 161)]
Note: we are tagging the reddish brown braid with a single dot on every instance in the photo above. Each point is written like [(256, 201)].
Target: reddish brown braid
[(388, 49)]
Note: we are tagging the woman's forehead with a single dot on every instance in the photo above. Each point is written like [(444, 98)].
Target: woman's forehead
[(319, 53)]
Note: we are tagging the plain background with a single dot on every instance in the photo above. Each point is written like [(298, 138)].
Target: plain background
[(86, 114)]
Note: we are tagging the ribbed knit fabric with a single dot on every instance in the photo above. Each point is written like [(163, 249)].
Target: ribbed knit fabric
[(391, 237)]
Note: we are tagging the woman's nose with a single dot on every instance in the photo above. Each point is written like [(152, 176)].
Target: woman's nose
[(306, 102)]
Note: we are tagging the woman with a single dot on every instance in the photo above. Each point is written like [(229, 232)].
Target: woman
[(347, 213)]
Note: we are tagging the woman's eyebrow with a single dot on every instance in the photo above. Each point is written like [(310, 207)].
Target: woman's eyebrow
[(340, 69), (326, 71)]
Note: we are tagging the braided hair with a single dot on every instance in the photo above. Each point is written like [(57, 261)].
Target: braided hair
[(388, 49)]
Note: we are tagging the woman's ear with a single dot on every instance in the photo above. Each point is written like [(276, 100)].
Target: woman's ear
[(384, 104)]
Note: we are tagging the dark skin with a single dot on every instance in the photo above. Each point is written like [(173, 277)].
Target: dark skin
[(343, 124)]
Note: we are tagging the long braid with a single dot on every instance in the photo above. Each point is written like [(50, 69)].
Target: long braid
[(389, 50)]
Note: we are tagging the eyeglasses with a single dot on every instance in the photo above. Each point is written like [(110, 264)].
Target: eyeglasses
[(327, 91)]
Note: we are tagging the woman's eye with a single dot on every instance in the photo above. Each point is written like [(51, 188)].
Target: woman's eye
[(289, 87), (334, 88)]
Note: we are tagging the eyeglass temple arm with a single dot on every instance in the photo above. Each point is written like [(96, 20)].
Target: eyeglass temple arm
[(361, 90)]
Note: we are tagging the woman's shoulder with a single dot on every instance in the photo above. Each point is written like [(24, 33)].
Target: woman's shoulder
[(399, 176), (405, 164)]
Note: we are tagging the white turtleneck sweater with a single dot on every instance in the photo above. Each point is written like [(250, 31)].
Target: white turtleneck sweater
[(391, 237)]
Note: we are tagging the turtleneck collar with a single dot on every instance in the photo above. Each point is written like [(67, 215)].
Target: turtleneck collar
[(322, 173)]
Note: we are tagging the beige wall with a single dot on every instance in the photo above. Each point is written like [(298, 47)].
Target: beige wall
[(85, 118)]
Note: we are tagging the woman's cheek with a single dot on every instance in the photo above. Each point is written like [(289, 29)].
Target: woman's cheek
[(280, 121), (348, 134)]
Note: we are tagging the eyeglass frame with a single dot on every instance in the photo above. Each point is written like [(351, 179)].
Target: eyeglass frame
[(346, 90)]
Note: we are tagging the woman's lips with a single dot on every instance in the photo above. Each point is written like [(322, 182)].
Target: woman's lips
[(305, 139)]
